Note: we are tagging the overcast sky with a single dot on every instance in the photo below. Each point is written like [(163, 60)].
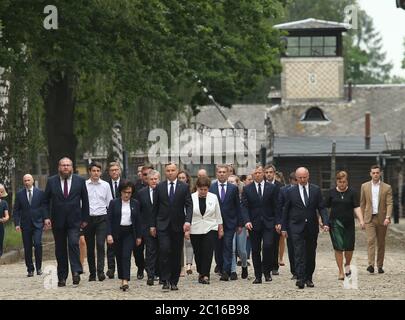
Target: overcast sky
[(390, 22)]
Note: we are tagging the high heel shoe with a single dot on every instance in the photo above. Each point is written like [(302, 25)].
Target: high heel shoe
[(189, 271), (124, 287)]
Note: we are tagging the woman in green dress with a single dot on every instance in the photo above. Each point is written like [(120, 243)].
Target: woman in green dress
[(343, 202)]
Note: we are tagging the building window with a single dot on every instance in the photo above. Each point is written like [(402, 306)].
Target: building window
[(314, 114), (315, 46)]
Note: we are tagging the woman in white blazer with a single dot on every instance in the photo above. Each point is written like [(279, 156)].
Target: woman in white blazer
[(206, 227)]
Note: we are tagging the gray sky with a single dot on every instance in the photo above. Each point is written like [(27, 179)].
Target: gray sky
[(390, 22)]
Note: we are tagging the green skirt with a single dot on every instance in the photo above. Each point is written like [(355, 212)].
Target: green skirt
[(342, 235)]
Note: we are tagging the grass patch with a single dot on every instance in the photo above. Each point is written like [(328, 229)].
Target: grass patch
[(12, 238)]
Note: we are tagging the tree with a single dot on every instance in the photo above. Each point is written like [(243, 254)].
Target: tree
[(137, 53)]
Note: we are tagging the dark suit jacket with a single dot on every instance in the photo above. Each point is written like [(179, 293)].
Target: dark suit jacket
[(230, 208), (263, 212), (296, 216), (173, 215), (114, 215), (139, 185), (146, 208), (69, 212), (26, 215)]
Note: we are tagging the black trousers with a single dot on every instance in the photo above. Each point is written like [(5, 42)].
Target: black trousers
[(32, 237), (257, 236), (110, 257), (1, 238), (305, 244), (203, 247), (123, 245), (219, 254), (95, 234), (139, 256), (67, 242), (290, 246), (151, 255), (170, 250)]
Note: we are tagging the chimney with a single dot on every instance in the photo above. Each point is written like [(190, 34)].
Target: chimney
[(368, 130)]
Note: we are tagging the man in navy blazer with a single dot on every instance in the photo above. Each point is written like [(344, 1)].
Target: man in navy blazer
[(300, 218), (262, 218), (229, 202), (67, 211), (172, 213), (29, 215)]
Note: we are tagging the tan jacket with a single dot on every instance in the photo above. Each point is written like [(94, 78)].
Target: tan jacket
[(384, 203)]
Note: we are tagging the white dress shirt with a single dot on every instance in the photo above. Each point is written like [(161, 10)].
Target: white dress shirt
[(151, 194), (375, 192), (301, 189), (69, 183), (99, 197), (168, 186), (126, 214), (202, 224), (32, 193), (261, 186)]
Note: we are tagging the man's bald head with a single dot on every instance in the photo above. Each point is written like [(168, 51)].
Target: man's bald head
[(28, 181), (302, 175)]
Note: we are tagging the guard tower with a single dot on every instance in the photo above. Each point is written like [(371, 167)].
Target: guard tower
[(313, 68)]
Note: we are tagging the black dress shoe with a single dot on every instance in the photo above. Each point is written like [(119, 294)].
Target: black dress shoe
[(149, 282), (166, 286), (257, 280), (173, 287), (309, 283), (275, 273), (268, 278), (139, 274), (161, 281), (62, 283), (30, 274), (110, 274), (76, 278), (300, 284), (244, 272), (370, 269), (101, 276), (224, 277), (380, 270), (39, 272), (234, 276), (216, 269), (92, 277)]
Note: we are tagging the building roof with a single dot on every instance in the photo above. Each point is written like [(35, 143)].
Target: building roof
[(312, 23), (322, 146)]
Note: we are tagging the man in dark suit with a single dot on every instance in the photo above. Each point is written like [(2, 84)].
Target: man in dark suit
[(29, 215), (290, 246), (172, 214), (261, 217), (68, 210), (228, 197), (114, 171), (300, 218), (145, 197), (138, 251), (270, 176)]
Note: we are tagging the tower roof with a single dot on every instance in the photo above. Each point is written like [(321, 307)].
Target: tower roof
[(311, 24)]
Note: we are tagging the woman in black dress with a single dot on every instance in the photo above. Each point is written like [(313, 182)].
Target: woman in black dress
[(343, 203)]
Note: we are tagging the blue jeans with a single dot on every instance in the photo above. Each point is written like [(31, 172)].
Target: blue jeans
[(239, 243)]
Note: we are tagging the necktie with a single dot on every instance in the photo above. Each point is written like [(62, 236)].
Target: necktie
[(260, 191), (222, 192), (171, 194), (115, 189), (65, 189), (306, 199), (29, 196)]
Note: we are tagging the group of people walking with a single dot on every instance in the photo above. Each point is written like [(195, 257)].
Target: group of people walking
[(158, 221)]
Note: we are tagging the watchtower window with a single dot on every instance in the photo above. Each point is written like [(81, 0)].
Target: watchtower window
[(311, 46)]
